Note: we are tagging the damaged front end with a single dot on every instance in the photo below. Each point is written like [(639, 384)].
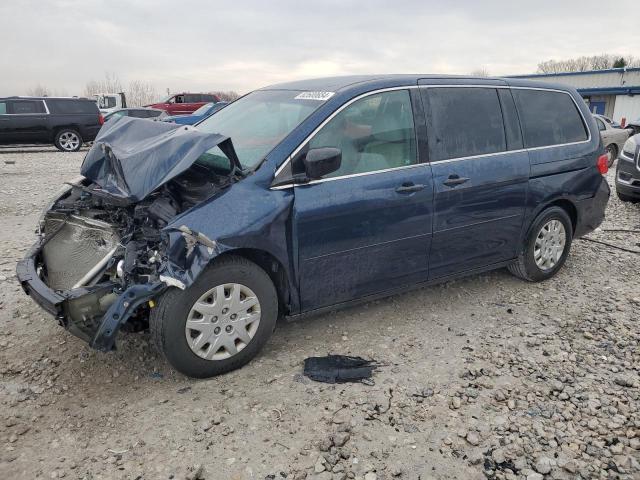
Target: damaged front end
[(107, 246)]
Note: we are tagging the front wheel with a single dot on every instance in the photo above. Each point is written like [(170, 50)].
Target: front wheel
[(220, 322), (546, 247)]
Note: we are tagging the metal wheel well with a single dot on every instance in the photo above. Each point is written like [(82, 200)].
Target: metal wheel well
[(570, 208), (274, 269), (56, 130)]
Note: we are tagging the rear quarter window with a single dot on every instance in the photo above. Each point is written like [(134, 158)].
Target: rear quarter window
[(22, 107), (548, 118), (464, 122), (72, 106)]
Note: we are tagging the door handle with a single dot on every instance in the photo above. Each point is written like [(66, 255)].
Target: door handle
[(454, 180), (409, 187)]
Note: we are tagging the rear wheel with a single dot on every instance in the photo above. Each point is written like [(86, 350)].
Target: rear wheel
[(220, 322), (612, 153), (68, 140), (546, 247)]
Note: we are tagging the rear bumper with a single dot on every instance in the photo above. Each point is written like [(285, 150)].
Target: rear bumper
[(93, 314), (591, 210)]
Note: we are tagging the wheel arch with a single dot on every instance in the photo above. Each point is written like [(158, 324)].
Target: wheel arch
[(70, 126), (563, 202), (569, 207), (273, 267)]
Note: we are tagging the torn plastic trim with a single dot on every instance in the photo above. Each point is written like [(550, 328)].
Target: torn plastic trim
[(188, 252), (120, 311), (172, 282), (132, 157)]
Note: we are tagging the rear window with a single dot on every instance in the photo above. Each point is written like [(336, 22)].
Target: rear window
[(72, 106), (192, 98), (22, 107), (464, 122), (138, 113), (548, 118), (208, 97), (3, 108)]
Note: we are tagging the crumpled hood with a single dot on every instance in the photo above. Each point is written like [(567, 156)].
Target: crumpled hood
[(132, 157)]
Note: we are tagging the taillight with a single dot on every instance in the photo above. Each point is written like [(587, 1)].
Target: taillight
[(100, 119), (603, 164)]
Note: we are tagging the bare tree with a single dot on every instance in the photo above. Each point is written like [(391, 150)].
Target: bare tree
[(228, 96), (583, 64), (109, 84), (480, 72), (141, 93), (38, 91)]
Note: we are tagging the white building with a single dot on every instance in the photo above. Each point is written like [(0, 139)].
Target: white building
[(614, 92)]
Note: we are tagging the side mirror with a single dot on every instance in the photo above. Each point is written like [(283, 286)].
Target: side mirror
[(321, 161)]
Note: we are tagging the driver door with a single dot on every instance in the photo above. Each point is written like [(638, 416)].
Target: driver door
[(365, 228)]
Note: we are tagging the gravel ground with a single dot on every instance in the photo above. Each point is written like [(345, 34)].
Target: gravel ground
[(485, 377)]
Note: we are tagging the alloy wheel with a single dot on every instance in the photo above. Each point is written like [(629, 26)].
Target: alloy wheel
[(69, 141)]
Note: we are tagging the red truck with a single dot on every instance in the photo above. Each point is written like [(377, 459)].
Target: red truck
[(185, 103)]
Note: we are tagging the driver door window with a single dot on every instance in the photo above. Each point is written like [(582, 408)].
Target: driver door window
[(374, 133)]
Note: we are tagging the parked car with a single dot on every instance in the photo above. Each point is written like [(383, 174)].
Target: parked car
[(628, 171), (634, 126), (64, 122), (200, 114), (185, 103), (138, 112), (310, 196), (612, 138), (611, 122)]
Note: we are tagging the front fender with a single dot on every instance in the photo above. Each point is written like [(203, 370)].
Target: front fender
[(245, 216)]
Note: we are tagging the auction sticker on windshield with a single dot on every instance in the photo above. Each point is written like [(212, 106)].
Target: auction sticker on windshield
[(320, 96)]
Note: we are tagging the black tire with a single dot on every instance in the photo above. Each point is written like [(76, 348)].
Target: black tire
[(525, 266), (168, 319), (67, 146), (627, 198), (612, 152)]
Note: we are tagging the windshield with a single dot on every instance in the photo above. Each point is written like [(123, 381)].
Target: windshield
[(256, 123), (203, 109)]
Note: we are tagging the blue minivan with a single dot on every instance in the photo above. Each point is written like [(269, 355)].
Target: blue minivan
[(309, 196)]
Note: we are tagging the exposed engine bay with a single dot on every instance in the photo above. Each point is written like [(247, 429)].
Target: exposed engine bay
[(86, 225), (89, 240), (109, 243)]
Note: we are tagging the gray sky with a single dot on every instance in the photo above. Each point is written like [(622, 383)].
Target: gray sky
[(204, 45)]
